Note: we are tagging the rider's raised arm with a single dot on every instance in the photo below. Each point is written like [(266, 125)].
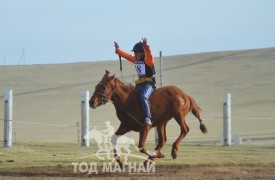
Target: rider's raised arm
[(149, 59), (125, 55)]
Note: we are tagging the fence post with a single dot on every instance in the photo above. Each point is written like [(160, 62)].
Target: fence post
[(8, 98), (227, 119), (85, 136), (161, 84)]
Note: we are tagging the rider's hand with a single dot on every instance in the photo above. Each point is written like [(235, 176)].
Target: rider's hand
[(116, 45), (144, 41)]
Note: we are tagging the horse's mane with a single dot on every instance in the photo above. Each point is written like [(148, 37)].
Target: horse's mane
[(125, 86)]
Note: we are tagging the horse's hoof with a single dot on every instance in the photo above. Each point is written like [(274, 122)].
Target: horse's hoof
[(161, 155), (174, 154)]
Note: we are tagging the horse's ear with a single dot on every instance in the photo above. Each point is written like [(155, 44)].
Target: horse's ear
[(113, 76), (107, 72)]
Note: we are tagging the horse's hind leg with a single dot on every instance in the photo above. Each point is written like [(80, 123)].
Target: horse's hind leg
[(184, 129)]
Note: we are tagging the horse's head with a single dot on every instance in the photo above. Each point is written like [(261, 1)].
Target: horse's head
[(104, 91)]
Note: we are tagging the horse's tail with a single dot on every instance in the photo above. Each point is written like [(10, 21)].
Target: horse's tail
[(196, 112)]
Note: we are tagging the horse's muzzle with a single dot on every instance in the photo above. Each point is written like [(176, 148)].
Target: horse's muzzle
[(92, 103)]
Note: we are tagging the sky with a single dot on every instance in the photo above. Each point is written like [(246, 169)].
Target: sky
[(67, 31)]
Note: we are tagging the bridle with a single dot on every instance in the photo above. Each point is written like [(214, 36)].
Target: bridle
[(105, 98)]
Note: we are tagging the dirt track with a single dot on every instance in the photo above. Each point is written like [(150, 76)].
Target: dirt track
[(162, 172)]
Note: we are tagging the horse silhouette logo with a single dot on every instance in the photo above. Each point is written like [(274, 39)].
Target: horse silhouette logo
[(103, 140)]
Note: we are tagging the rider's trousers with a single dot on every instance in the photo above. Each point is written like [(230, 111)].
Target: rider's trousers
[(146, 89)]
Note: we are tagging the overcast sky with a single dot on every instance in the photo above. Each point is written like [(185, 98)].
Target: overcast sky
[(64, 31)]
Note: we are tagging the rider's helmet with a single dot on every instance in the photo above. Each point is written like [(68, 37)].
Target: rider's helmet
[(138, 47)]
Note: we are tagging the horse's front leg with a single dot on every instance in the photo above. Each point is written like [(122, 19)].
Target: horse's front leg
[(121, 131), (142, 139), (162, 140)]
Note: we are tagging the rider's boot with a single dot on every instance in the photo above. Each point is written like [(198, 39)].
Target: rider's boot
[(148, 121)]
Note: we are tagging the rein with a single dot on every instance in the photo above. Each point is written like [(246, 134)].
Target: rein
[(106, 99), (126, 112)]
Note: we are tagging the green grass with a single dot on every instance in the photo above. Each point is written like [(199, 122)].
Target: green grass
[(25, 155)]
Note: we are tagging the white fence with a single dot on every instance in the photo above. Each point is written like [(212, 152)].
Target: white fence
[(85, 119), (8, 119), (8, 105), (8, 114), (227, 119)]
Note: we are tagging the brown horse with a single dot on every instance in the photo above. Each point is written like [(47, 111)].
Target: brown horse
[(166, 103)]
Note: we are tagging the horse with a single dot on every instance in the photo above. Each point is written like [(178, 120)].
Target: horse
[(166, 102)]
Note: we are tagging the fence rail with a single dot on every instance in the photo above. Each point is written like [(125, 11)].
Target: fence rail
[(189, 121), (85, 110)]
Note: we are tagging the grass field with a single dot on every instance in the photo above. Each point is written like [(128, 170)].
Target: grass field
[(55, 160)]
